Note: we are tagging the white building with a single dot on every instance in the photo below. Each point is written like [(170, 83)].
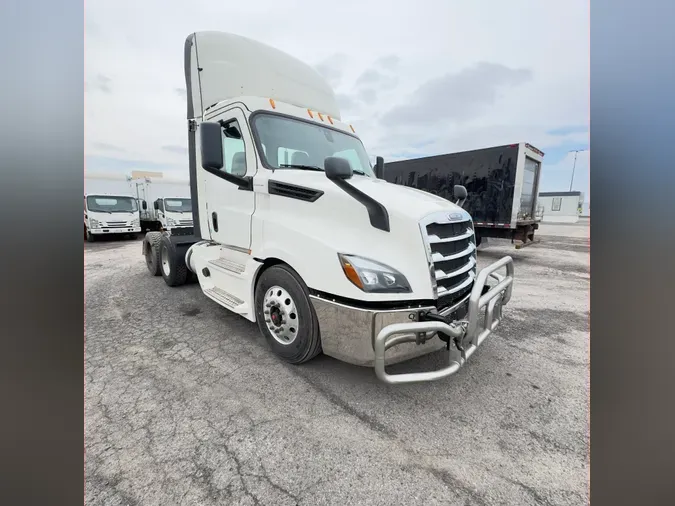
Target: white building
[(561, 207)]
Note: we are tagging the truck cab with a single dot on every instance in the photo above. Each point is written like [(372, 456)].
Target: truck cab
[(110, 214), (295, 229), (173, 212)]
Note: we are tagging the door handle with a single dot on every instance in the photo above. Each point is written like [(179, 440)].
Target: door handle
[(214, 219)]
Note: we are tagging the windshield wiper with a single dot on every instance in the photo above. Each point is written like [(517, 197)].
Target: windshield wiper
[(359, 172), (299, 166)]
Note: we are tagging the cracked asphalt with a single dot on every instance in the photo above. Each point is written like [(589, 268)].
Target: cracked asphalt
[(186, 405)]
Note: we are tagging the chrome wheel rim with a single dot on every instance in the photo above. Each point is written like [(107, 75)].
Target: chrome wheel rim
[(166, 267), (281, 315)]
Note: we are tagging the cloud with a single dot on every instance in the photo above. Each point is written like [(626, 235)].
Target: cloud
[(458, 97), (98, 83), (373, 77), (571, 129), (346, 102), (135, 76), (332, 68), (181, 150), (389, 62), (107, 147), (367, 95)]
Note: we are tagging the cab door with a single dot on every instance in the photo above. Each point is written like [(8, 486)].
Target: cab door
[(229, 207)]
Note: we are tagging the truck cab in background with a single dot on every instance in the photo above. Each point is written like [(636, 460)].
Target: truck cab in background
[(295, 230), (110, 215), (173, 212)]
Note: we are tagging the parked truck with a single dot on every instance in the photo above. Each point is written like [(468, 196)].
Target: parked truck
[(295, 230), (502, 184), (109, 207), (165, 202)]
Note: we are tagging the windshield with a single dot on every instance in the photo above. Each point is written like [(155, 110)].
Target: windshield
[(178, 205), (289, 143), (111, 204)]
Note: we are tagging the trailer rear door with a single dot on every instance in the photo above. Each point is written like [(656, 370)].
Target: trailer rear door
[(529, 191)]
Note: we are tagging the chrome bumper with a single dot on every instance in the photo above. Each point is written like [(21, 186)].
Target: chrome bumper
[(362, 336), (468, 332)]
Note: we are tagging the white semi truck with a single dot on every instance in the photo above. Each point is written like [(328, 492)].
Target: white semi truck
[(295, 230), (109, 207), (165, 202)]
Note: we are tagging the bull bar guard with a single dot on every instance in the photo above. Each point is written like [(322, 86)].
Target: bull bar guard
[(468, 332)]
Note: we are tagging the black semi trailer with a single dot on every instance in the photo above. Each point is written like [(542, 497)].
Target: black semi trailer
[(502, 184)]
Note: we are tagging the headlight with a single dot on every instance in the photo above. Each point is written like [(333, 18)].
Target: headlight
[(94, 223), (374, 277), (170, 222), (136, 222)]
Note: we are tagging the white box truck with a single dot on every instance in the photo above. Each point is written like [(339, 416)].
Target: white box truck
[(109, 207), (295, 230), (165, 202)]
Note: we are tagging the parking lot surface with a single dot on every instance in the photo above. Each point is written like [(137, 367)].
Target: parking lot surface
[(185, 404)]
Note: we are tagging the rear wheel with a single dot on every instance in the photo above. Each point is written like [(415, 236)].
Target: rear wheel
[(151, 244), (172, 263), (286, 316)]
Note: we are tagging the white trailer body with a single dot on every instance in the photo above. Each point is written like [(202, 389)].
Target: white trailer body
[(295, 230), (110, 208)]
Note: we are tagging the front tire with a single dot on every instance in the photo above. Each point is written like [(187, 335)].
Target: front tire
[(172, 263), (90, 237), (286, 316)]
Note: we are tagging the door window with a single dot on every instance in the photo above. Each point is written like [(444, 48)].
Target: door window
[(234, 151)]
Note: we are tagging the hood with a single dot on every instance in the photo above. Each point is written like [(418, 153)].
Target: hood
[(402, 200)]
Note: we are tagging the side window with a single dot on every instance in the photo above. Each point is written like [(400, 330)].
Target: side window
[(556, 204), (353, 158), (234, 152)]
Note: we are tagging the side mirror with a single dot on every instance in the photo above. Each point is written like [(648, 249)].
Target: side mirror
[(337, 168), (379, 167), (144, 205), (156, 205), (210, 136), (459, 192)]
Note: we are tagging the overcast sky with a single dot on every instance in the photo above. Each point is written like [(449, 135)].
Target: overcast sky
[(414, 78)]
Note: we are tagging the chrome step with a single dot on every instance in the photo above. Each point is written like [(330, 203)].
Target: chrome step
[(227, 265), (224, 298)]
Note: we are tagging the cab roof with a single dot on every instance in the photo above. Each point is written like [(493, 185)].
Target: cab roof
[(222, 66)]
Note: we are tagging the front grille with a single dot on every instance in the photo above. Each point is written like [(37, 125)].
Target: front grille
[(453, 253), (185, 223), (116, 224)]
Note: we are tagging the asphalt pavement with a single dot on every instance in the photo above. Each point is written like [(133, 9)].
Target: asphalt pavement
[(186, 405)]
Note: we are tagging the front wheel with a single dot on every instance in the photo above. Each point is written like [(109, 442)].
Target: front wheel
[(286, 316), (90, 237)]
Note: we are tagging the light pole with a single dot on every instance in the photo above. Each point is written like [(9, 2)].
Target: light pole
[(575, 151)]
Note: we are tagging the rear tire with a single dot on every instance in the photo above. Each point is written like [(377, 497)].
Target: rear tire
[(297, 338), (151, 244), (172, 263)]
